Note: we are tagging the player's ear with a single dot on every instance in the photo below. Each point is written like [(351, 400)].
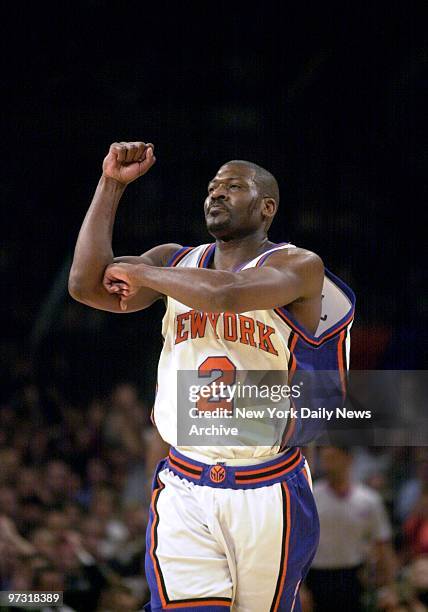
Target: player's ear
[(269, 208)]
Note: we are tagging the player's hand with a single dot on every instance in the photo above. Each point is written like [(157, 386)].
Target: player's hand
[(127, 161), (121, 279)]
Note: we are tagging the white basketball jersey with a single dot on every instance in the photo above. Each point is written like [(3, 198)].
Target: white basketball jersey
[(261, 340)]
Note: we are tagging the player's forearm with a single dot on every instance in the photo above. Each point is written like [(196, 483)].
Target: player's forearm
[(200, 289), (93, 250), (209, 290)]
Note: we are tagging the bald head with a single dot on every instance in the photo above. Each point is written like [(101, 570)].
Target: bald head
[(266, 182)]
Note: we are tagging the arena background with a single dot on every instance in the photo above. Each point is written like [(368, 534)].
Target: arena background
[(331, 100)]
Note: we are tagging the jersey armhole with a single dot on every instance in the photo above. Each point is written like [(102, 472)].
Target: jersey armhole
[(336, 328)]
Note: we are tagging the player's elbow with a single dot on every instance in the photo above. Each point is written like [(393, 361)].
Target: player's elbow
[(76, 288)]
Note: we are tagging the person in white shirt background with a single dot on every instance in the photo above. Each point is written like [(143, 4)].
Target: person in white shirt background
[(354, 529)]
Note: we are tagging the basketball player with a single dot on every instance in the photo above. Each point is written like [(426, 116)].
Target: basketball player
[(231, 527)]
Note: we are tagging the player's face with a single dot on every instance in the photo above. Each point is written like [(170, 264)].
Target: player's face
[(233, 204)]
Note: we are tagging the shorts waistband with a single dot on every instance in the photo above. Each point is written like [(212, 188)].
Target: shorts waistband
[(224, 476), (234, 462)]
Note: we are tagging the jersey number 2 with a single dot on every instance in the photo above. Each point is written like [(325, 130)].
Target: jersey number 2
[(227, 376)]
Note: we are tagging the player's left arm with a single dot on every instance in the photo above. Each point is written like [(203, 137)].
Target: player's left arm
[(287, 276)]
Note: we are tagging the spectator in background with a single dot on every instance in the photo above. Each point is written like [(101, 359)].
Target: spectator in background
[(32, 514), (411, 490), (412, 592), (48, 578), (74, 513), (416, 529), (8, 500), (137, 488), (10, 461), (370, 465), (126, 420), (119, 599), (97, 473), (129, 559), (354, 527), (105, 509), (57, 481), (418, 582), (44, 543), (28, 482)]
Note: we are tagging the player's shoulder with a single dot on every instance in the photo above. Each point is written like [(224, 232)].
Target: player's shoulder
[(300, 255), (302, 262)]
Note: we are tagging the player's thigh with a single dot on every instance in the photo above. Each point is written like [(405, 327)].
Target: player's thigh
[(283, 531), (183, 559)]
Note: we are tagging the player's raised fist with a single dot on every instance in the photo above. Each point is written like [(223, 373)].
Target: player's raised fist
[(127, 161)]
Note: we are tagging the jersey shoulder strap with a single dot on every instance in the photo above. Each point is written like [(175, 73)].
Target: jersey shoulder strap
[(260, 259), (190, 257)]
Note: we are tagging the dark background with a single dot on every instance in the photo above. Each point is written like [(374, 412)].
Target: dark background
[(331, 100)]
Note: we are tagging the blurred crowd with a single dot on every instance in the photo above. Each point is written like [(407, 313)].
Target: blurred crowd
[(75, 490), (74, 496)]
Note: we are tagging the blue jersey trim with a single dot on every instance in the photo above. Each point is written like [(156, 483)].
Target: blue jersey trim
[(334, 328), (206, 255), (177, 254)]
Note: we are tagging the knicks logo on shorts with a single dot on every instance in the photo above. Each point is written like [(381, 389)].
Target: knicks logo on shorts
[(217, 473)]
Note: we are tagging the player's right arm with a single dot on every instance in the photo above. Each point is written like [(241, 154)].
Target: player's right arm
[(124, 163)]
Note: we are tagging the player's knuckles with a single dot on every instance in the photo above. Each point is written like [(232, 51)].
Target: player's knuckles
[(139, 146), (136, 154), (131, 153), (124, 148), (141, 151), (120, 153)]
